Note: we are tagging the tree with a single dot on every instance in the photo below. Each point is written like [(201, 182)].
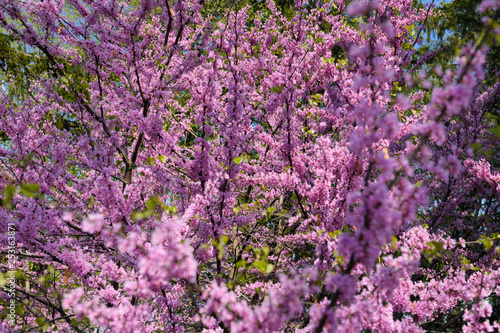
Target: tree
[(182, 166)]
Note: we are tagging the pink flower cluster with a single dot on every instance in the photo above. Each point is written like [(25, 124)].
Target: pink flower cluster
[(178, 169)]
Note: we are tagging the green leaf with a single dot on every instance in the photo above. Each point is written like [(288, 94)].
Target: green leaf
[(261, 265), (271, 209), (162, 158), (328, 60), (40, 321), (476, 147), (278, 89), (3, 280), (464, 260), (30, 190), (394, 240), (151, 205), (238, 160), (335, 234), (172, 210), (487, 242), (220, 245), (241, 263), (8, 194), (496, 131), (435, 249)]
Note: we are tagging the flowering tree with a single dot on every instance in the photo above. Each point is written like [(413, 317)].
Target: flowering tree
[(176, 169)]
